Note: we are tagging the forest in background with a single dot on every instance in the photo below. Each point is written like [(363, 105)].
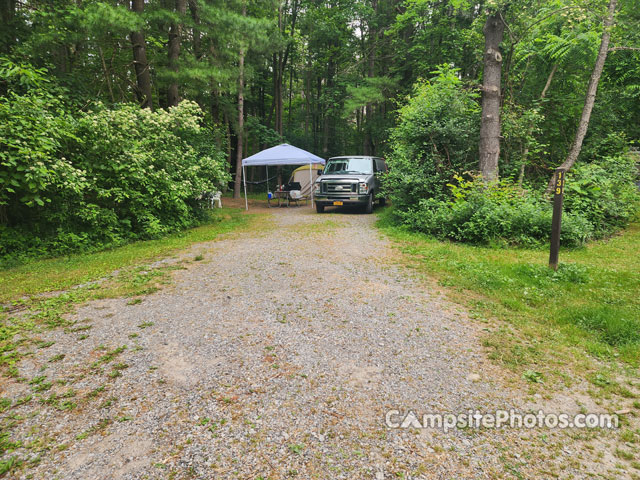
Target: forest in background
[(333, 77)]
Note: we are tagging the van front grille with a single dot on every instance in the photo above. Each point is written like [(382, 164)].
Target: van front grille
[(339, 187)]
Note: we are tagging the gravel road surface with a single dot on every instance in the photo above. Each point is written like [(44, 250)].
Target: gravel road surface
[(276, 356)]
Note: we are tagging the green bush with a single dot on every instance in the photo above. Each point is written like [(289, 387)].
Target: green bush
[(604, 192), (493, 214), (436, 136), (94, 179), (600, 198)]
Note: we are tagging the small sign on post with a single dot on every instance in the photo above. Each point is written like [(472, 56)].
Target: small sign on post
[(556, 221)]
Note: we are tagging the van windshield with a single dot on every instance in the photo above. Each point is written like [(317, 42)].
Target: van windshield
[(349, 165)]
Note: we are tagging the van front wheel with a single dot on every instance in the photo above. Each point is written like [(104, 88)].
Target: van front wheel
[(319, 208), (369, 207)]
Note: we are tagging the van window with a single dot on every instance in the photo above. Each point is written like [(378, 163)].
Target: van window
[(348, 165)]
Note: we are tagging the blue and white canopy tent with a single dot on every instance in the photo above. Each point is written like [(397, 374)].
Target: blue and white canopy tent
[(283, 154)]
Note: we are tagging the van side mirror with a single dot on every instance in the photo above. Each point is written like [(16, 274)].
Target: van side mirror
[(319, 172)]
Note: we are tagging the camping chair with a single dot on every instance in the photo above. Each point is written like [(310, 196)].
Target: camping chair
[(211, 199), (296, 196)]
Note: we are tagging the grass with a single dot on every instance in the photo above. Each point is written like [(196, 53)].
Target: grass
[(588, 309), (40, 276)]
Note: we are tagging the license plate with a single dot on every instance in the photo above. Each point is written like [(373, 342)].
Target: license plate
[(338, 203)]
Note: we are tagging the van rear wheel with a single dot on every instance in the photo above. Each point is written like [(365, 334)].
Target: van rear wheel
[(319, 208)]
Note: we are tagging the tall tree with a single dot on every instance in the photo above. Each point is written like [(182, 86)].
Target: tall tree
[(141, 65), (491, 79), (592, 89), (240, 129)]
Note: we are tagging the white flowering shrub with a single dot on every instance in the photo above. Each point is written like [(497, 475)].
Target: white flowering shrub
[(94, 179)]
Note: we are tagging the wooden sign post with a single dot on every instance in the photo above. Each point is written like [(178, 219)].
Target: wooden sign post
[(556, 221)]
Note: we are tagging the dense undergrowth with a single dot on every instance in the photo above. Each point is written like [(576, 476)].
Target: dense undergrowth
[(85, 180), (434, 190)]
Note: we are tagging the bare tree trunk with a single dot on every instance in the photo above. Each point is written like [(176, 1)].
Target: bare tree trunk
[(328, 117), (195, 16), (290, 98), (490, 122), (237, 185), (277, 95), (280, 63), (592, 88), (175, 34), (525, 153), (277, 72), (107, 74), (143, 76), (369, 146)]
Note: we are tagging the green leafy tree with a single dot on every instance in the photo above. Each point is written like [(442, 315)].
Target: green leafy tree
[(436, 138)]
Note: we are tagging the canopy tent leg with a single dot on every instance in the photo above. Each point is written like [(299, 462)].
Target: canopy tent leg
[(311, 183), (244, 179)]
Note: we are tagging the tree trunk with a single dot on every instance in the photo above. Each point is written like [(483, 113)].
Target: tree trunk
[(369, 146), (143, 76), (328, 116), (490, 122), (277, 77), (592, 88), (195, 16), (7, 16), (277, 95), (175, 34), (525, 153), (280, 63), (239, 132)]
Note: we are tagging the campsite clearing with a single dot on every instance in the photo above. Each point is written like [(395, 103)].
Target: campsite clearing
[(274, 353)]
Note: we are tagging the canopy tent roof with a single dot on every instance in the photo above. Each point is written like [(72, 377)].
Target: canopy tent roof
[(283, 154)]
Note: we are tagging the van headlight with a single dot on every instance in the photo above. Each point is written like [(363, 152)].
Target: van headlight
[(363, 188), (316, 188)]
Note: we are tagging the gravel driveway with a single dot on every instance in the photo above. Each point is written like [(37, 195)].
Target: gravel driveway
[(277, 356)]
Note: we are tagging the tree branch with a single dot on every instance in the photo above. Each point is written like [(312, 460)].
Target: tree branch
[(613, 49)]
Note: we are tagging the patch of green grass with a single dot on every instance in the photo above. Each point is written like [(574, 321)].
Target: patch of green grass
[(296, 448), (9, 464), (624, 454), (39, 384), (144, 325), (109, 356), (588, 309), (108, 402), (96, 391), (532, 376), (61, 273), (101, 425)]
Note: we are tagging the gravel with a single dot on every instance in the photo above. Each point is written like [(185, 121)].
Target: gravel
[(277, 356)]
